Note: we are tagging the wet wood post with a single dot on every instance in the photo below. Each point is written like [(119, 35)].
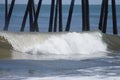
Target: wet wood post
[(34, 12), (8, 14), (102, 15), (85, 15), (70, 15), (56, 15), (105, 17), (31, 16), (25, 17), (60, 15), (36, 15), (115, 31), (34, 7), (51, 16)]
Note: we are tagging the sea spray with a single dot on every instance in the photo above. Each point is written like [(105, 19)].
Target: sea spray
[(71, 43), (57, 43)]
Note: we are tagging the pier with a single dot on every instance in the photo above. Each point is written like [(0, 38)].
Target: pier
[(56, 15)]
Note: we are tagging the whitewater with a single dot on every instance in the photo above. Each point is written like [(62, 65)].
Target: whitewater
[(90, 55), (71, 43), (56, 43)]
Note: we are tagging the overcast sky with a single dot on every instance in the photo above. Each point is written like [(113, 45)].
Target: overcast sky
[(64, 1)]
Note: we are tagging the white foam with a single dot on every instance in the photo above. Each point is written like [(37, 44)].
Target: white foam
[(61, 43), (65, 78), (72, 43), (75, 78)]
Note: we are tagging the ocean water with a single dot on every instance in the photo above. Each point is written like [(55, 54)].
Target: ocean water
[(57, 56), (43, 21), (73, 55)]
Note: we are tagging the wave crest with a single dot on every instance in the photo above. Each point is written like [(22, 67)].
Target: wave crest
[(57, 43)]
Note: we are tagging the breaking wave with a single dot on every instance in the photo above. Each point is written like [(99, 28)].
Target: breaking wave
[(60, 43)]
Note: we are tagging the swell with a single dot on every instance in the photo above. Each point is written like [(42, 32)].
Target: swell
[(60, 43), (4, 43), (55, 43), (112, 41), (23, 41)]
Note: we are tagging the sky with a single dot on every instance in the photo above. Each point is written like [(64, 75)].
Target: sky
[(64, 1)]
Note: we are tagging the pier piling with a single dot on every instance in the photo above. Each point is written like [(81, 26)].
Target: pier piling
[(25, 18), (51, 16), (56, 16), (33, 16), (8, 14), (85, 15), (101, 15), (115, 31), (36, 15), (70, 15), (105, 17), (60, 16)]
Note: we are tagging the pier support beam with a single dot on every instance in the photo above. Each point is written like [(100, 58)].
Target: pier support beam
[(60, 15), (8, 14), (51, 16), (32, 19), (56, 16), (25, 18), (36, 15), (115, 31), (31, 16), (70, 15), (104, 16), (85, 15)]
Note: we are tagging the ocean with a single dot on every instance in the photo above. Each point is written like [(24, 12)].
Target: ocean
[(43, 21), (74, 55)]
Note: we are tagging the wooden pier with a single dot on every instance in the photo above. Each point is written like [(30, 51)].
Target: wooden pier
[(56, 10)]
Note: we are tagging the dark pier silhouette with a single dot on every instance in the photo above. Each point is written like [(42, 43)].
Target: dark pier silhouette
[(70, 15), (56, 16), (8, 13), (104, 16), (33, 19)]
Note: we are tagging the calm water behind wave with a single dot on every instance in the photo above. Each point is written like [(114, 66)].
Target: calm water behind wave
[(18, 65), (43, 21)]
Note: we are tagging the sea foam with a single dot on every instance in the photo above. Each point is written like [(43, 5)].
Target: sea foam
[(57, 43)]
